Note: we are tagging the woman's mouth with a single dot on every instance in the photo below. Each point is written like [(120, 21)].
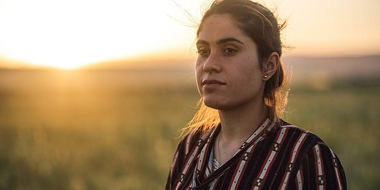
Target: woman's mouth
[(212, 83)]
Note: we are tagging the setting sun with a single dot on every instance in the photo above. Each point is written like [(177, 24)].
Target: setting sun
[(70, 34), (73, 33)]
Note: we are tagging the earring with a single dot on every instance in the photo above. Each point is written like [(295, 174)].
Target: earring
[(265, 77)]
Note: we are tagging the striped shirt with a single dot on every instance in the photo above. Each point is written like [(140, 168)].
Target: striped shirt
[(273, 157)]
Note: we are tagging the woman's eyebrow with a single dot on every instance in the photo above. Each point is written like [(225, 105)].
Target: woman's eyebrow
[(224, 40), (202, 42), (221, 41)]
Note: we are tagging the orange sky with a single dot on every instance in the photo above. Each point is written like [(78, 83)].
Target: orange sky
[(70, 33)]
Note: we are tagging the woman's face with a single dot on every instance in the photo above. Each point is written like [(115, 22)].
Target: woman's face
[(227, 69)]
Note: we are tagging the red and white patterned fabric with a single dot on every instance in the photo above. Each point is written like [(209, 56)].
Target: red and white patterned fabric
[(274, 157)]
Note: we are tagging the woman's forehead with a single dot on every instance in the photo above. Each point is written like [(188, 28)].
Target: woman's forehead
[(219, 26)]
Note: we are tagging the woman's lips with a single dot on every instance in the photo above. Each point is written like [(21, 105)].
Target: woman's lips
[(212, 83)]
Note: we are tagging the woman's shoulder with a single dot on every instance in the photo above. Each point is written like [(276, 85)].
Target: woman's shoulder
[(193, 138), (303, 143), (294, 130), (310, 155)]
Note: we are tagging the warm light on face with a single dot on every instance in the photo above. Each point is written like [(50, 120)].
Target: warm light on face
[(72, 33)]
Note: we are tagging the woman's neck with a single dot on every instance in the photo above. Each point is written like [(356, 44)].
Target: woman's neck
[(240, 123), (237, 126)]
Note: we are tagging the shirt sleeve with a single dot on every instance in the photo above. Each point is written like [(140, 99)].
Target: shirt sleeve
[(180, 156), (173, 173), (320, 169)]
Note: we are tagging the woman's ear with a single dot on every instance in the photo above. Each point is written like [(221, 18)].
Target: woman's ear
[(270, 66)]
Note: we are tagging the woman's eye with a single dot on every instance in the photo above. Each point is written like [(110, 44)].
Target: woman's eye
[(203, 52), (229, 51)]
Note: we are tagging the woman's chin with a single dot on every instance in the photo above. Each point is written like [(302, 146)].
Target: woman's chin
[(214, 103)]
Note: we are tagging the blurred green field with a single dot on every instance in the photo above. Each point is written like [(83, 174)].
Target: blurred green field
[(118, 129)]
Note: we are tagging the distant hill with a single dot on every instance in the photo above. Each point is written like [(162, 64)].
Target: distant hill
[(12, 64), (321, 73), (160, 64), (367, 66), (300, 67)]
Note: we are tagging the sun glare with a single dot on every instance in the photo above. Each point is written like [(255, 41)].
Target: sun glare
[(69, 34), (73, 33)]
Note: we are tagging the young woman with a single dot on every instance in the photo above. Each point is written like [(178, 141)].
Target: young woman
[(236, 140)]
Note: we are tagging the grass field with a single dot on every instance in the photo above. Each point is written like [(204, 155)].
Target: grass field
[(118, 129)]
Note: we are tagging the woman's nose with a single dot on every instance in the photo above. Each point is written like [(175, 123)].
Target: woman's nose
[(212, 64)]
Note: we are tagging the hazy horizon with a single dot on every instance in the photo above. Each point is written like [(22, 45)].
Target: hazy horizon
[(42, 33), (175, 63)]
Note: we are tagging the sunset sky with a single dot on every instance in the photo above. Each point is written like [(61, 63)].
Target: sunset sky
[(72, 33)]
